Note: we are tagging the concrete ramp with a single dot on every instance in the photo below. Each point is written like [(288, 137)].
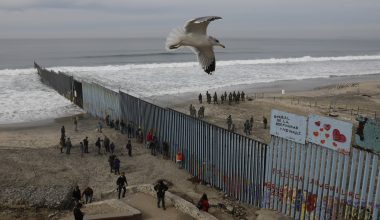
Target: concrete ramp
[(111, 209)]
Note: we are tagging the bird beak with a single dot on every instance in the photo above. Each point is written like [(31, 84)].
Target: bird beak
[(222, 45)]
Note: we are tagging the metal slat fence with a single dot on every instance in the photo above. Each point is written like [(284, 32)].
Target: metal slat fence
[(307, 181)]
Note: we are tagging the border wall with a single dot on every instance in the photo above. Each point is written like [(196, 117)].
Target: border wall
[(226, 160), (308, 171)]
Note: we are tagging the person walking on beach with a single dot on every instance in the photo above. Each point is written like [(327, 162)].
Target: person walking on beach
[(161, 188), (88, 194), (215, 98), (75, 124), (68, 145), (129, 148), (265, 122), (63, 132), (98, 144), (200, 98), (111, 159), (121, 184), (78, 214), (85, 143), (116, 165)]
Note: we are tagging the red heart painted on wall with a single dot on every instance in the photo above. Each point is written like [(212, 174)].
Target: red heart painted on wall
[(315, 133), (327, 126), (337, 136), (321, 129), (323, 141), (327, 135), (317, 123), (334, 144)]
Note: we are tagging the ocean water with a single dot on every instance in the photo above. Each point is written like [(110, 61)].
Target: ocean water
[(142, 67)]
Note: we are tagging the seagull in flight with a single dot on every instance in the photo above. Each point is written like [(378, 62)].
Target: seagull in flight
[(194, 36)]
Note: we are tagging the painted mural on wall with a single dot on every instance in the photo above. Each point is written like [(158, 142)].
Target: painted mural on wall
[(289, 126), (330, 133), (367, 134)]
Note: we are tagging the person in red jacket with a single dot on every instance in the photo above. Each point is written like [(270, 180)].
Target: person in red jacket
[(149, 138), (203, 203)]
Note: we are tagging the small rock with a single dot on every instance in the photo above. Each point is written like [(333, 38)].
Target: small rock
[(230, 208), (52, 215)]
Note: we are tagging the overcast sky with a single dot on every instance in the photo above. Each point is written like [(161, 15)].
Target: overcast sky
[(155, 18)]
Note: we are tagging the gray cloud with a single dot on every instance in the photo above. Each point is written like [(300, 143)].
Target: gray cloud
[(142, 18)]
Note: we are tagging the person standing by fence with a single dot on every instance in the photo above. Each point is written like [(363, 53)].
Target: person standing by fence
[(178, 159), (149, 139), (122, 126)]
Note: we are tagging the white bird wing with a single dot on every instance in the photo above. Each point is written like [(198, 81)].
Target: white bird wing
[(206, 58), (199, 25)]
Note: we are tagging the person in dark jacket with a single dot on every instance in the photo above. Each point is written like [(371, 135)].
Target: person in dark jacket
[(160, 188), (76, 194), (129, 148), (85, 143), (112, 147), (122, 126), (121, 184), (88, 193), (78, 214), (98, 144), (63, 132), (116, 165), (106, 143), (111, 159)]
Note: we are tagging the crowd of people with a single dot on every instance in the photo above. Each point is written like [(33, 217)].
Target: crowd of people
[(232, 97), (193, 111), (106, 146)]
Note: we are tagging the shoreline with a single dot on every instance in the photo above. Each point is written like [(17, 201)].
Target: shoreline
[(273, 88)]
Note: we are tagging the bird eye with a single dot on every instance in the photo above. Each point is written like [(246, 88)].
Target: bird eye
[(217, 41)]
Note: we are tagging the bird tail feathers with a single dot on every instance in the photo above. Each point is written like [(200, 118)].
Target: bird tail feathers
[(174, 38)]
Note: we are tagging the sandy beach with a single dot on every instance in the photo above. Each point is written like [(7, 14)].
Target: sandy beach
[(33, 167)]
